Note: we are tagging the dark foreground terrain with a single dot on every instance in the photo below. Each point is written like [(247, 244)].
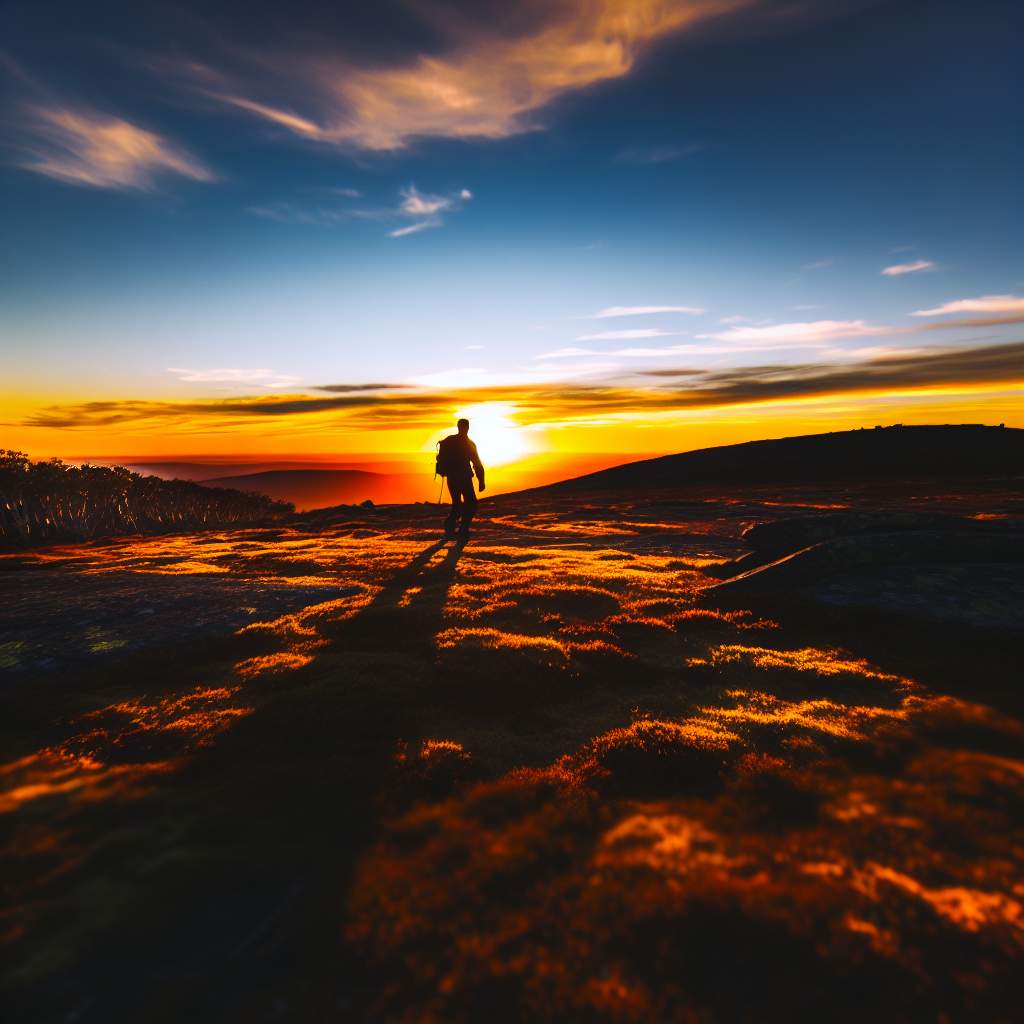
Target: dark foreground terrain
[(621, 759)]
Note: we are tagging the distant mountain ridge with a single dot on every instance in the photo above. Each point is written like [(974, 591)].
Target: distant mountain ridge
[(856, 454), (218, 469), (320, 488)]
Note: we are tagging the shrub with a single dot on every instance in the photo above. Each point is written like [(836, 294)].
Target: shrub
[(43, 502)]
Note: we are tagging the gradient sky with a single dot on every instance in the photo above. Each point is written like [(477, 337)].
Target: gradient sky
[(641, 226)]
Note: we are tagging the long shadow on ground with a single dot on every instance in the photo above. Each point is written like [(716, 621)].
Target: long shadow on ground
[(219, 878), (545, 778)]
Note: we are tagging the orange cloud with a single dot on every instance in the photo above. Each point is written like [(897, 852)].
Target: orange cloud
[(554, 403), (616, 311), (982, 304), (297, 124), (899, 269), (816, 332), (90, 148), (487, 86)]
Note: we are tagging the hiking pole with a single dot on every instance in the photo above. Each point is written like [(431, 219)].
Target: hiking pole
[(440, 490)]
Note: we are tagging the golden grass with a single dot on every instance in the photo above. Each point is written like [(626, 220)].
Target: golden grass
[(534, 780), (822, 662)]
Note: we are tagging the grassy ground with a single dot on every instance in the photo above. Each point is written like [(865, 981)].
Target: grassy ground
[(550, 777)]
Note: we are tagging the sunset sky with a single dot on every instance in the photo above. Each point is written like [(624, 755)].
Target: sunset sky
[(602, 226)]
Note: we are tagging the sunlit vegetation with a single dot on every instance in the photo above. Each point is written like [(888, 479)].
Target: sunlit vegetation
[(545, 778), (48, 501), (807, 659)]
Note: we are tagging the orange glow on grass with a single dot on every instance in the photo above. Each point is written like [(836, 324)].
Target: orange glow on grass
[(805, 659), (282, 661), (822, 717), (50, 773)]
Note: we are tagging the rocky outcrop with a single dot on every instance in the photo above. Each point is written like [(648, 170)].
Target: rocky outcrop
[(879, 561)]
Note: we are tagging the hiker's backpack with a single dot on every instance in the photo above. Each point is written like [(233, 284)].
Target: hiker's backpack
[(445, 461)]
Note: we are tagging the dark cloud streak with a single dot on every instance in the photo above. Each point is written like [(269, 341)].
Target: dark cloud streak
[(356, 388), (392, 407), (986, 365)]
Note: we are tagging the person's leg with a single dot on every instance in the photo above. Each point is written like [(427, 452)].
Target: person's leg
[(468, 509), (453, 516)]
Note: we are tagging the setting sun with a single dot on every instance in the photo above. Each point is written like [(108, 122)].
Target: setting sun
[(498, 437)]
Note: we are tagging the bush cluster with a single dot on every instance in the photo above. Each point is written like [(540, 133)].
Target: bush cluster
[(42, 502)]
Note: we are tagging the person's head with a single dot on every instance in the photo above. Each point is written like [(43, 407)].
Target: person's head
[(463, 426)]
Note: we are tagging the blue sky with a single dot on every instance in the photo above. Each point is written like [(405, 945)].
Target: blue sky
[(296, 194)]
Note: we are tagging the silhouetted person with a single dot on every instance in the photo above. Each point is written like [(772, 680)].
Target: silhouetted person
[(457, 461)]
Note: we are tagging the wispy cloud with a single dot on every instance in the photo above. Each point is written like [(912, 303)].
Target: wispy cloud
[(412, 229), (614, 311), (262, 377), (1003, 320), (899, 269), (894, 372), (812, 333), (481, 81), (690, 349), (821, 333), (982, 304), (818, 265), (567, 353), (293, 213), (355, 389), (424, 209), (863, 352), (284, 118), (427, 207), (660, 352), (639, 332), (87, 147), (415, 204), (552, 400)]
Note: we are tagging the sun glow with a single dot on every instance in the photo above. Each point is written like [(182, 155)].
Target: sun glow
[(498, 437)]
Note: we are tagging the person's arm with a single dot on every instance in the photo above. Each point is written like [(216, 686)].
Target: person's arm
[(478, 466)]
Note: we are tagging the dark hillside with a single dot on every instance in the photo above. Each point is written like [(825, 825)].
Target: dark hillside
[(320, 488), (851, 454)]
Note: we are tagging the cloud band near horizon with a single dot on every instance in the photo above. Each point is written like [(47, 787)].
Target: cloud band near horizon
[(395, 406)]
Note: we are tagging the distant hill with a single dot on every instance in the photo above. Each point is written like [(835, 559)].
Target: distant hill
[(219, 467), (321, 488), (854, 454), (201, 471)]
